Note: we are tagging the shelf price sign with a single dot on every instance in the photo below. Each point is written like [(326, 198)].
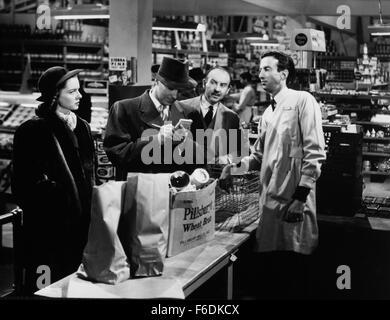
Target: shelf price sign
[(117, 63)]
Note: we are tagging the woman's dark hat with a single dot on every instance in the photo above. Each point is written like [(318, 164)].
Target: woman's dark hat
[(52, 79), (174, 74)]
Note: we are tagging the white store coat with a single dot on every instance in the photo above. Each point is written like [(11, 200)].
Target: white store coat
[(291, 145)]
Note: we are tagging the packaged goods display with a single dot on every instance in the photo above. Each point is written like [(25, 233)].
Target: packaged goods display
[(99, 118), (5, 111), (376, 207), (21, 113), (5, 176), (6, 141), (105, 170)]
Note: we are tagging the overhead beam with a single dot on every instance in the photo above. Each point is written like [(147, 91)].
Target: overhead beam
[(323, 7), (209, 7)]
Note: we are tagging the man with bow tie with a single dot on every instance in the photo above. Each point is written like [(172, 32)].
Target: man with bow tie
[(289, 154), (156, 111)]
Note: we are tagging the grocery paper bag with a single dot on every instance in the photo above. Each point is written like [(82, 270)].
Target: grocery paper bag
[(146, 211), (191, 219), (104, 259)]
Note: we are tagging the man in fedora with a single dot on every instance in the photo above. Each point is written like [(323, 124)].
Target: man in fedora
[(155, 109)]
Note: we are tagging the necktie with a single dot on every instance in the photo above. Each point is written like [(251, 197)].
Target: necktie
[(273, 104), (164, 112), (209, 116)]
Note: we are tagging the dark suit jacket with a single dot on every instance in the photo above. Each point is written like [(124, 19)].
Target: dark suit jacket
[(224, 120), (128, 119)]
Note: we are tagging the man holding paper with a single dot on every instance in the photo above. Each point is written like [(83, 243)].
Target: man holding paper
[(150, 120)]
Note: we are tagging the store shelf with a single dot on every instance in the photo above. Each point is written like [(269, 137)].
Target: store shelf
[(48, 52), (319, 58), (7, 129), (46, 61), (50, 42), (175, 51), (376, 139), (376, 173), (376, 154), (352, 96), (83, 62), (369, 123), (339, 80), (351, 109)]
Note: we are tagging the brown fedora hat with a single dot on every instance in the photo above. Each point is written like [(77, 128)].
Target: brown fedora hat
[(174, 74)]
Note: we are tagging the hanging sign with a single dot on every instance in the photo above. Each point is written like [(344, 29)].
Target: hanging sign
[(308, 40)]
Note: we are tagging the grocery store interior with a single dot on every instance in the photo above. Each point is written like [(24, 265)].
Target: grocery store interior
[(347, 71)]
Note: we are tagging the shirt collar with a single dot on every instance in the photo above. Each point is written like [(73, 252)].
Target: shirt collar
[(204, 106), (156, 103), (280, 95)]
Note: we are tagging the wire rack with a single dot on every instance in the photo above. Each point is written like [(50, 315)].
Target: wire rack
[(237, 202)]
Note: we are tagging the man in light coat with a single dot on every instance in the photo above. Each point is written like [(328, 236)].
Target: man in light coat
[(290, 152)]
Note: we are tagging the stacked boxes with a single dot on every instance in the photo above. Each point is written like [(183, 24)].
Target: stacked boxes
[(105, 170)]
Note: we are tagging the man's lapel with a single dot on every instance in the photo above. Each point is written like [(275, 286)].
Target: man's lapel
[(219, 116), (176, 113), (148, 111)]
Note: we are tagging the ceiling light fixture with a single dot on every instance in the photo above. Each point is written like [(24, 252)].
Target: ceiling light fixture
[(82, 12)]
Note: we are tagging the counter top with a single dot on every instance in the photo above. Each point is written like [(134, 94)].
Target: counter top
[(191, 268)]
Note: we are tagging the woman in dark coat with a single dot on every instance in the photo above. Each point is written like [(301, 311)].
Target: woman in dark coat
[(53, 164)]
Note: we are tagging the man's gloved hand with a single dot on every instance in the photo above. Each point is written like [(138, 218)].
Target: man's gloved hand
[(294, 212)]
